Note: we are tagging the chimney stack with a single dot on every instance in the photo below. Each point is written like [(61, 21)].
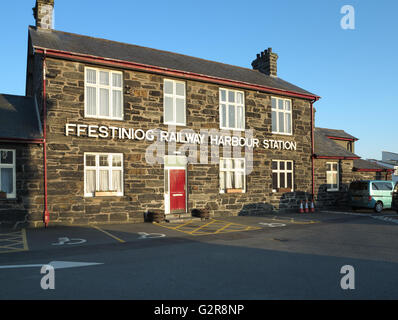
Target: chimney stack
[(266, 62), (44, 14)]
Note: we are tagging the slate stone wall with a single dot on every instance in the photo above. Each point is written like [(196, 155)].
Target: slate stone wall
[(28, 206), (143, 182), (324, 198)]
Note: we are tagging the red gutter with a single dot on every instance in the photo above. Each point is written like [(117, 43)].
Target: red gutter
[(373, 170), (344, 139), (46, 217), (21, 140), (336, 158), (167, 71)]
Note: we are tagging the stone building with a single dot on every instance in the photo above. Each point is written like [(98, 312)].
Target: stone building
[(128, 129), (336, 166)]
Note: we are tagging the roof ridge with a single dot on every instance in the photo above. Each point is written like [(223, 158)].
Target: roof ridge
[(158, 50)]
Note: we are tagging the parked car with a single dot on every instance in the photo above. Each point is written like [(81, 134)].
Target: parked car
[(372, 194), (395, 198)]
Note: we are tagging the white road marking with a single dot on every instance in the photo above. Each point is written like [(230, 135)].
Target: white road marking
[(54, 264), (377, 217), (66, 240), (273, 225), (144, 235)]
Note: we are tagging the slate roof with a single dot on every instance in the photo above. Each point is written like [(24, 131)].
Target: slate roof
[(74, 43), (336, 133), (326, 147), (19, 117), (368, 165)]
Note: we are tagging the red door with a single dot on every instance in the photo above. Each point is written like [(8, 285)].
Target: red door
[(177, 190)]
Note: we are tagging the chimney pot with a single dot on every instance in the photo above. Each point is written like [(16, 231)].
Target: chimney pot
[(266, 62), (44, 14)]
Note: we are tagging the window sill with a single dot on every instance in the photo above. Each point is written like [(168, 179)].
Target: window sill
[(104, 118), (175, 124), (107, 194), (282, 190), (233, 129), (235, 191), (282, 133)]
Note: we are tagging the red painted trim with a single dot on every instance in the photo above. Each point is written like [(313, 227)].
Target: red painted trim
[(312, 150), (344, 139), (336, 158), (46, 215), (373, 170), (169, 72), (21, 140)]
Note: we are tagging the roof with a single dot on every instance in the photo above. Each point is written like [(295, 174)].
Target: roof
[(19, 118), (325, 147), (79, 44), (360, 164), (336, 133)]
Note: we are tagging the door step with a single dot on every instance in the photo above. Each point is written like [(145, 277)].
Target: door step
[(174, 218)]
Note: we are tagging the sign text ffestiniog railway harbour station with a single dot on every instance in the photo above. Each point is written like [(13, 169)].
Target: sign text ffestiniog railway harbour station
[(212, 136)]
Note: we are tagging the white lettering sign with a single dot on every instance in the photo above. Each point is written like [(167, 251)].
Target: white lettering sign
[(216, 139)]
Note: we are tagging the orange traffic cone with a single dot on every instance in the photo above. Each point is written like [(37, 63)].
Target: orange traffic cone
[(306, 206), (301, 207), (312, 206)]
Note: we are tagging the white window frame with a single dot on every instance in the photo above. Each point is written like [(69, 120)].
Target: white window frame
[(8, 166), (234, 171), (285, 171), (285, 112), (174, 96), (328, 174), (235, 105), (97, 169), (98, 86)]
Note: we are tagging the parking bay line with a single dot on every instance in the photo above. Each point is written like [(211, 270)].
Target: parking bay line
[(191, 232), (16, 238), (109, 234)]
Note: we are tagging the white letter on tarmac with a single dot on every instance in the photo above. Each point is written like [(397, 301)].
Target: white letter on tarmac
[(348, 281), (48, 281)]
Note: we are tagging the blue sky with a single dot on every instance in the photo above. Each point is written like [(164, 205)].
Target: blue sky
[(354, 71)]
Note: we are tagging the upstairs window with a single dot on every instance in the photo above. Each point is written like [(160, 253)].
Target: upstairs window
[(7, 173), (232, 110), (103, 94), (174, 102), (281, 116)]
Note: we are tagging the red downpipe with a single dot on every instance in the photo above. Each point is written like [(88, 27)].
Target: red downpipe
[(312, 149), (46, 217)]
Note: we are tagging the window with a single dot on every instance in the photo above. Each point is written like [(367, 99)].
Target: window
[(382, 186), (232, 175), (232, 110), (281, 116), (282, 175), (103, 173), (332, 176), (174, 102), (103, 94), (7, 173)]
